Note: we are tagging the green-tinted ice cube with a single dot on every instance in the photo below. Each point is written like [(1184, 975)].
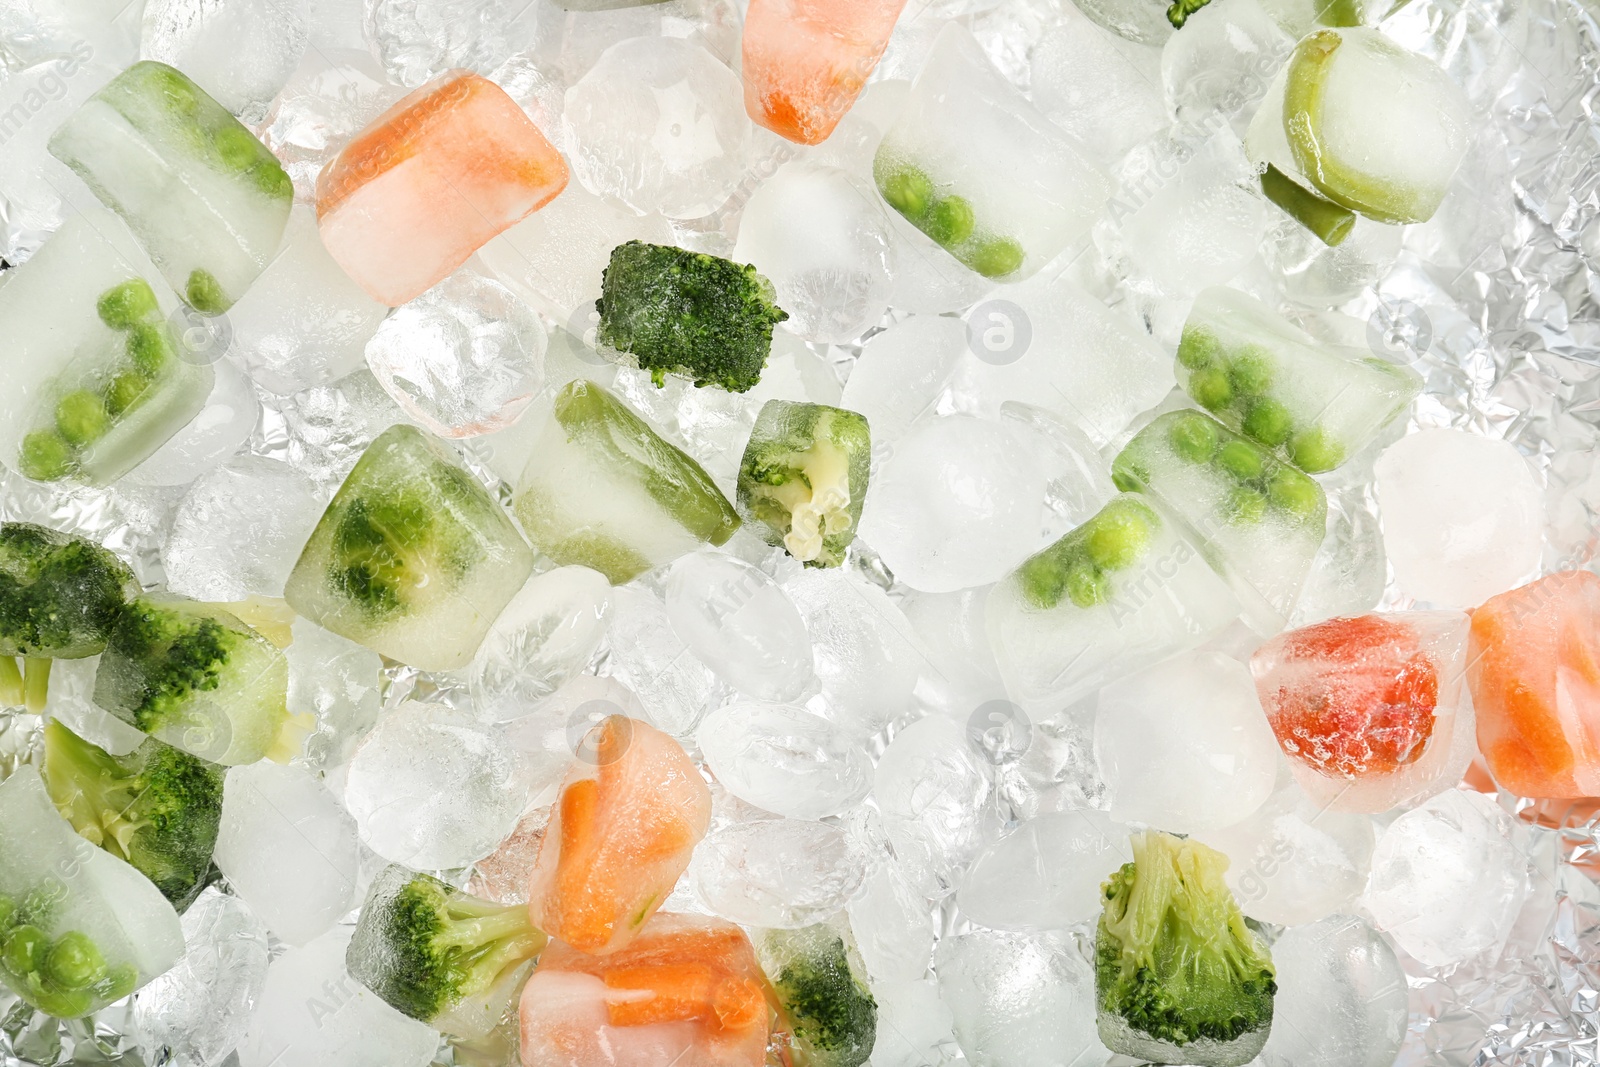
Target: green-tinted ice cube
[(821, 986), (803, 479)]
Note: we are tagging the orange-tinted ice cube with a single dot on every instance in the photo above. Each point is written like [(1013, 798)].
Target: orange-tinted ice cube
[(629, 815), (1534, 670), (430, 181), (805, 61), (687, 990)]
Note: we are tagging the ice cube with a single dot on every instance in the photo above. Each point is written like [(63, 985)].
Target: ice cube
[(1319, 276), (1350, 571), (548, 736), (896, 924), (1045, 874), (332, 94), (1050, 344), (737, 621), (602, 489), (288, 849), (196, 1013), (820, 236), (1256, 519), (1461, 516), (1292, 862), (784, 759), (901, 372), (429, 181), (647, 655), (1373, 712), (1341, 997), (239, 529), (1103, 89), (803, 479), (1184, 746), (226, 419), (335, 680), (239, 51), (304, 322), (1118, 593), (1315, 405), (783, 873), (463, 359), (934, 792), (1448, 879), (313, 1014), (420, 39), (208, 201), (545, 636), (865, 652), (658, 123), (62, 892), (1020, 999), (330, 426), (1222, 60), (927, 280), (431, 788), (413, 558), (804, 65), (553, 259), (975, 167), (957, 502), (914, 1025), (94, 384)]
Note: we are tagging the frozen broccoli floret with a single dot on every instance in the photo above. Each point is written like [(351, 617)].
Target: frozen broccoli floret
[(821, 986), (197, 677), (67, 975), (59, 596), (803, 479), (441, 955), (686, 313), (158, 807), (1179, 976)]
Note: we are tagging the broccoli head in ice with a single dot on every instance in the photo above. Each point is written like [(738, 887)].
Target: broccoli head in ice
[(803, 479), (441, 955), (1179, 976), (59, 596), (158, 808), (687, 313), (820, 985)]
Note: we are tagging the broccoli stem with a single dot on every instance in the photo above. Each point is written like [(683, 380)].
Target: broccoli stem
[(10, 683), (1178, 13), (36, 682), (1330, 222)]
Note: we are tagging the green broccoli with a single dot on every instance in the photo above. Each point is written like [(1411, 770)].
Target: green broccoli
[(158, 808), (686, 313), (1179, 976), (441, 955), (803, 479), (819, 981), (197, 677), (59, 596), (65, 976)]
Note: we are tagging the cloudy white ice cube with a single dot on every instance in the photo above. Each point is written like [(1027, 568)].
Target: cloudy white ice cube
[(240, 51), (647, 655), (1342, 997), (737, 621), (1046, 874), (545, 636), (933, 790), (784, 759), (901, 372), (1103, 89), (780, 873)]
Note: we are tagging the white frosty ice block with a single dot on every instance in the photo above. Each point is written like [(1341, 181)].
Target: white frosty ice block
[(1264, 377), (81, 927), (976, 167), (413, 558), (1256, 519), (1116, 594), (92, 382), (207, 199)]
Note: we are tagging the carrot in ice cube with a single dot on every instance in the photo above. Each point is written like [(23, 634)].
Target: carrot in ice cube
[(430, 181)]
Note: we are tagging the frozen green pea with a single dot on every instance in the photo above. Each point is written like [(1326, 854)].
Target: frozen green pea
[(1241, 461), (1193, 438), (81, 417), (8, 912), (45, 456), (239, 150), (994, 257), (1289, 490), (173, 89), (124, 306), (1251, 371), (64, 1003), (1198, 349), (1268, 422), (118, 982), (1118, 537), (1315, 451), (1246, 505), (950, 221), (149, 348), (1086, 585), (1210, 388), (272, 179), (908, 191), (74, 961), (124, 391), (24, 949), (205, 294)]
